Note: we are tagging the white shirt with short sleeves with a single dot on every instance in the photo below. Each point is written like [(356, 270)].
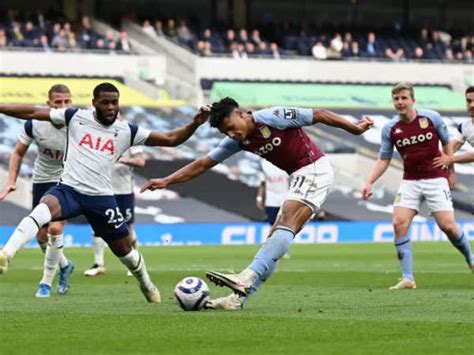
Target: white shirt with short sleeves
[(465, 133), (122, 177), (50, 143), (92, 149)]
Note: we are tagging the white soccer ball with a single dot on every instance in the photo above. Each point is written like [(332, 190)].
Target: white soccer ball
[(191, 293)]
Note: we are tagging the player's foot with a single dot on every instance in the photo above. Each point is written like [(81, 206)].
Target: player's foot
[(3, 262), (64, 274), (95, 270), (44, 291), (404, 284), (151, 293), (239, 283), (229, 303)]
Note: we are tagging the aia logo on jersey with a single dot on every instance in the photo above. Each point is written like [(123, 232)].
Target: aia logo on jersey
[(420, 138), (53, 154), (423, 122), (107, 145)]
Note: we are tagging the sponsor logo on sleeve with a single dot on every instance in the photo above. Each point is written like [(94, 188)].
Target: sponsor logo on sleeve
[(289, 113)]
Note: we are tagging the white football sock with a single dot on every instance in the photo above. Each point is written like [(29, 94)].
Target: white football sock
[(27, 229), (43, 246), (51, 258), (136, 264), (98, 245)]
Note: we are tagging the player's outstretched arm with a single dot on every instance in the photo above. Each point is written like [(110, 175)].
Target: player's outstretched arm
[(377, 171), (332, 119), (179, 135), (186, 173), (13, 169), (25, 112), (446, 160)]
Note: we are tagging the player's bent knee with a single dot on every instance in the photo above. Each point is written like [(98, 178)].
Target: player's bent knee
[(400, 227), (55, 228)]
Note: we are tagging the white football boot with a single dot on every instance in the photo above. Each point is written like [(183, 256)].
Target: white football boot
[(95, 270), (239, 283), (151, 293), (3, 262), (228, 303), (404, 284)]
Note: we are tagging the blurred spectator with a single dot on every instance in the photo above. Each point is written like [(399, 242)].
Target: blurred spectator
[(109, 38), (468, 56), (418, 53), (394, 54), (429, 52), (100, 44), (424, 37), (171, 29), (229, 39), (3, 39), (348, 37), (31, 35), (355, 50), (124, 43), (275, 50), (371, 48), (335, 47), (243, 36), (448, 54), (184, 35), (148, 28), (255, 38), (204, 48), (17, 35), (159, 28), (319, 51), (207, 36), (238, 51), (346, 50), (44, 43), (250, 48), (438, 46), (87, 37), (60, 41), (262, 49)]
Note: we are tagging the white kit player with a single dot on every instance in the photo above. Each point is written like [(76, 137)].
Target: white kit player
[(122, 183), (95, 141), (50, 140), (464, 133)]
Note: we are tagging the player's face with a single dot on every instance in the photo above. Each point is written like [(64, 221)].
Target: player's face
[(234, 126), (403, 102), (470, 103), (107, 107), (59, 100)]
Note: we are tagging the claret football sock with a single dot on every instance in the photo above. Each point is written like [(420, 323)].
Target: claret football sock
[(405, 256), (27, 229)]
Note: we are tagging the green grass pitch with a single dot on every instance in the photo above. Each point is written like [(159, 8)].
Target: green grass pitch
[(325, 299)]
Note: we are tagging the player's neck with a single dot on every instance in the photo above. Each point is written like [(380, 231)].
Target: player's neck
[(410, 116)]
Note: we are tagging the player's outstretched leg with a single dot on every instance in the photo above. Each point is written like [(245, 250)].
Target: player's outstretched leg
[(24, 232), (98, 245), (262, 265), (135, 262), (405, 258)]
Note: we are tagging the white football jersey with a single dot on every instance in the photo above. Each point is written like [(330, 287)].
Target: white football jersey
[(92, 149), (50, 142), (122, 177), (276, 183), (465, 133)]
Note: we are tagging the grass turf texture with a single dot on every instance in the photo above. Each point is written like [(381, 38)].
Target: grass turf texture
[(326, 299)]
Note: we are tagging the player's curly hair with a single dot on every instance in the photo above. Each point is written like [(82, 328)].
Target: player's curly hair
[(104, 87), (470, 89), (220, 110)]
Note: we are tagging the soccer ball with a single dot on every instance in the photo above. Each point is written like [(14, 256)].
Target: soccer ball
[(191, 293)]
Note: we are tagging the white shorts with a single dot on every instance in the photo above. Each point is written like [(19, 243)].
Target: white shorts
[(312, 183), (435, 192)]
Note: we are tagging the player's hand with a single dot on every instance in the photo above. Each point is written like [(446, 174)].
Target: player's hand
[(443, 161), (366, 191), (203, 114), (259, 203), (154, 184), (9, 188), (364, 124)]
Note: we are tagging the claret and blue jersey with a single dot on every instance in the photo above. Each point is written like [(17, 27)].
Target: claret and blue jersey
[(417, 142), (278, 138)]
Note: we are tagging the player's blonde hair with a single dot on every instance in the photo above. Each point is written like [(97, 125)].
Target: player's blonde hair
[(403, 86)]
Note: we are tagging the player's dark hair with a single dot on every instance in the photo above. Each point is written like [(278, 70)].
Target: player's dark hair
[(58, 88), (469, 89), (104, 87), (220, 110)]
